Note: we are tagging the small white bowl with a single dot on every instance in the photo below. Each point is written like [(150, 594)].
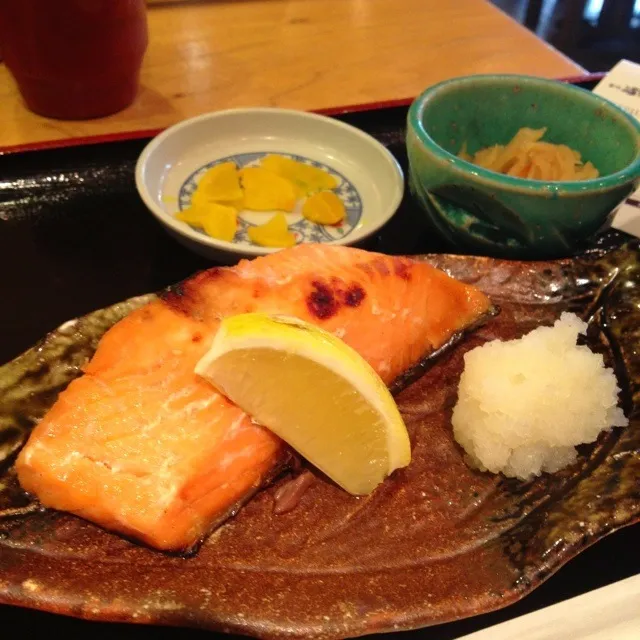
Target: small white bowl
[(370, 180)]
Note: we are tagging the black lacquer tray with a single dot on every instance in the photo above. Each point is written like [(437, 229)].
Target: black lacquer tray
[(74, 237)]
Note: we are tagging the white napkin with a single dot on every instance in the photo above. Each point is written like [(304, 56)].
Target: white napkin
[(609, 613), (622, 86)]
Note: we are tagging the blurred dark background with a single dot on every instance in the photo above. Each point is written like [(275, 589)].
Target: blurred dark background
[(594, 33)]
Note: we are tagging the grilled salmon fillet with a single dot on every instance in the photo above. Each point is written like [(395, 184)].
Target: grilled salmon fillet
[(141, 445)]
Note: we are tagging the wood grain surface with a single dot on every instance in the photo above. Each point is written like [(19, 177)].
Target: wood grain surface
[(306, 54)]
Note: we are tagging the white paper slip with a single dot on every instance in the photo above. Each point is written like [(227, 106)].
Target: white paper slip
[(627, 219), (622, 86), (609, 613)]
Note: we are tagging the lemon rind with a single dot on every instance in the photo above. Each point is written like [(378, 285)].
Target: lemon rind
[(258, 330)]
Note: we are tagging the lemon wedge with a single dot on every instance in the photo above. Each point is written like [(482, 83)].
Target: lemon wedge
[(314, 392)]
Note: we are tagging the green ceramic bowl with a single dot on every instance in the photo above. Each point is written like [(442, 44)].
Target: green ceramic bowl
[(484, 212)]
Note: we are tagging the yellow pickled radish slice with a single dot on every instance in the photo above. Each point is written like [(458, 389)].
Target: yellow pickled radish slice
[(217, 220), (221, 222), (307, 178), (192, 216), (266, 191), (201, 199), (324, 207), (221, 183), (274, 233)]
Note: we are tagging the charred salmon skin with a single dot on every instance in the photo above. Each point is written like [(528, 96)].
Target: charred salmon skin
[(140, 445)]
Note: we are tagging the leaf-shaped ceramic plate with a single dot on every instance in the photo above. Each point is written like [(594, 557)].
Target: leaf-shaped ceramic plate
[(436, 542)]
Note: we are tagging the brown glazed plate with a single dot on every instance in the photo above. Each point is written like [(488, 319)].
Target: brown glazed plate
[(436, 542)]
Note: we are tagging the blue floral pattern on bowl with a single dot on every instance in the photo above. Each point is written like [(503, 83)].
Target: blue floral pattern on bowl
[(303, 229)]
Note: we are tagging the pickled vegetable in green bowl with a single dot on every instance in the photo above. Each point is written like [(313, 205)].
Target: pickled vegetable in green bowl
[(482, 211)]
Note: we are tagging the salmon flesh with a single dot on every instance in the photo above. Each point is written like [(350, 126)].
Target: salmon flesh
[(142, 446)]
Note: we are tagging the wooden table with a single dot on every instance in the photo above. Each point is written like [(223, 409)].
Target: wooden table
[(306, 54)]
